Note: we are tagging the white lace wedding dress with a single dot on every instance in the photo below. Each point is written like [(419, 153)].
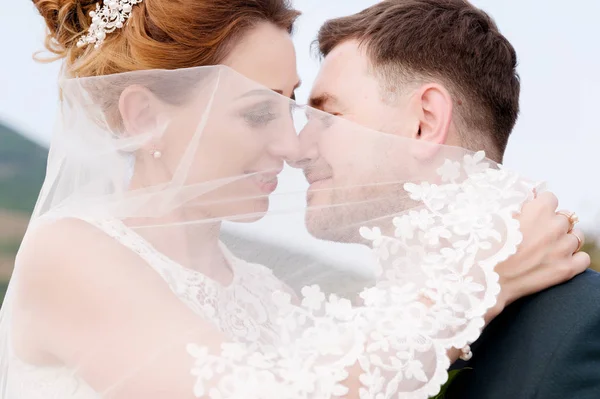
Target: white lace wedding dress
[(284, 348), (249, 317)]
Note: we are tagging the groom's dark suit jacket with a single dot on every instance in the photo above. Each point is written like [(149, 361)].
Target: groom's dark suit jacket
[(546, 346)]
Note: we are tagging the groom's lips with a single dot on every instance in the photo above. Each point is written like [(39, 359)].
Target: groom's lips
[(312, 178), (318, 182)]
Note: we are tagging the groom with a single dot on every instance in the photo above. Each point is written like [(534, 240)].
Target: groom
[(439, 71)]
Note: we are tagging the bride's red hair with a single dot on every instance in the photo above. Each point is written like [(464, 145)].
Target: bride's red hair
[(160, 34)]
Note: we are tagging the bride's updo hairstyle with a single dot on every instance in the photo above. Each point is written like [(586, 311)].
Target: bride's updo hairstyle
[(160, 34)]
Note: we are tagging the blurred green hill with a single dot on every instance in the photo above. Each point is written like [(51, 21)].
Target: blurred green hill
[(22, 170)]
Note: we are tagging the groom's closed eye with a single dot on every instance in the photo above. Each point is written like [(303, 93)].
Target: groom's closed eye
[(326, 102), (319, 101)]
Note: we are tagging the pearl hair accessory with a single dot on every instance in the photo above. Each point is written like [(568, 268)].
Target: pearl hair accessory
[(106, 19)]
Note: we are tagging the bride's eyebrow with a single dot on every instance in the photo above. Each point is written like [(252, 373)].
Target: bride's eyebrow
[(266, 92), (259, 92)]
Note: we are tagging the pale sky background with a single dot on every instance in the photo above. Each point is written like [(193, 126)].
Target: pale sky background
[(556, 139)]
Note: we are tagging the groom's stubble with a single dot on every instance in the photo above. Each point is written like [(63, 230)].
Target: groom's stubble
[(362, 186)]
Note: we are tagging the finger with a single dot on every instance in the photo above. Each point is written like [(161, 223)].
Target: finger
[(532, 197), (568, 215), (564, 248), (548, 200), (581, 261), (560, 224), (545, 203), (579, 237)]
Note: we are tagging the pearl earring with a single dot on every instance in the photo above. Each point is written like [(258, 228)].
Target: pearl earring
[(156, 154)]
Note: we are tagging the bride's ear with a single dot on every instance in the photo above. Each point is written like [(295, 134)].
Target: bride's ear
[(140, 111)]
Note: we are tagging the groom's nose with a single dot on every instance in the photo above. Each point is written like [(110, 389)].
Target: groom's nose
[(308, 149), (308, 153)]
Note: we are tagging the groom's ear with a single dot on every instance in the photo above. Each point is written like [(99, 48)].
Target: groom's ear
[(434, 105)]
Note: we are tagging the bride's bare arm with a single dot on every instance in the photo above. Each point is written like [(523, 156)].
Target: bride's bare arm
[(98, 308)]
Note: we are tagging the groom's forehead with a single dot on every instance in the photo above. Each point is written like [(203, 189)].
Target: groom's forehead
[(345, 60), (339, 73)]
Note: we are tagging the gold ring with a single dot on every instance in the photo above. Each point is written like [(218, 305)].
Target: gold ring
[(579, 243), (572, 217)]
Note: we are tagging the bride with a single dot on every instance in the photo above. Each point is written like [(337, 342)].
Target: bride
[(177, 125)]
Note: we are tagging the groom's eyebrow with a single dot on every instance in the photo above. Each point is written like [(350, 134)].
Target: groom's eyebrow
[(320, 101)]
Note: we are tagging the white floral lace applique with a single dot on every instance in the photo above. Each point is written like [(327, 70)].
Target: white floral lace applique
[(435, 282)]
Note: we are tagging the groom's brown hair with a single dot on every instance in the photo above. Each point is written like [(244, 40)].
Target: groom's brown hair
[(449, 41)]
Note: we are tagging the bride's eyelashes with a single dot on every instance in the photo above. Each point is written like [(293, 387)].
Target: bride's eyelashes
[(258, 119), (260, 115)]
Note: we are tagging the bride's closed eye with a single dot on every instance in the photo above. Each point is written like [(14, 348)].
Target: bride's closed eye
[(260, 115)]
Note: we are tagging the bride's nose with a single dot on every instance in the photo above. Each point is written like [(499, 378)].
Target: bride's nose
[(308, 150), (285, 146)]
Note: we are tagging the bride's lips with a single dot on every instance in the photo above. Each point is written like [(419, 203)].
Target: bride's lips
[(267, 186), (266, 182)]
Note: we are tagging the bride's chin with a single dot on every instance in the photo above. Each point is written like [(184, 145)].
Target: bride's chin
[(250, 211)]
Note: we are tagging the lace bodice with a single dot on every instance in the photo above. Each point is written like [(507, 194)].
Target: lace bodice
[(240, 310)]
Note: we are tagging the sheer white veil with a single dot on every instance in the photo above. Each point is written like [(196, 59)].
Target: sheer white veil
[(199, 235)]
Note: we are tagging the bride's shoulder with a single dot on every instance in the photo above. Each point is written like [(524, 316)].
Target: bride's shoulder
[(64, 254), (58, 239)]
